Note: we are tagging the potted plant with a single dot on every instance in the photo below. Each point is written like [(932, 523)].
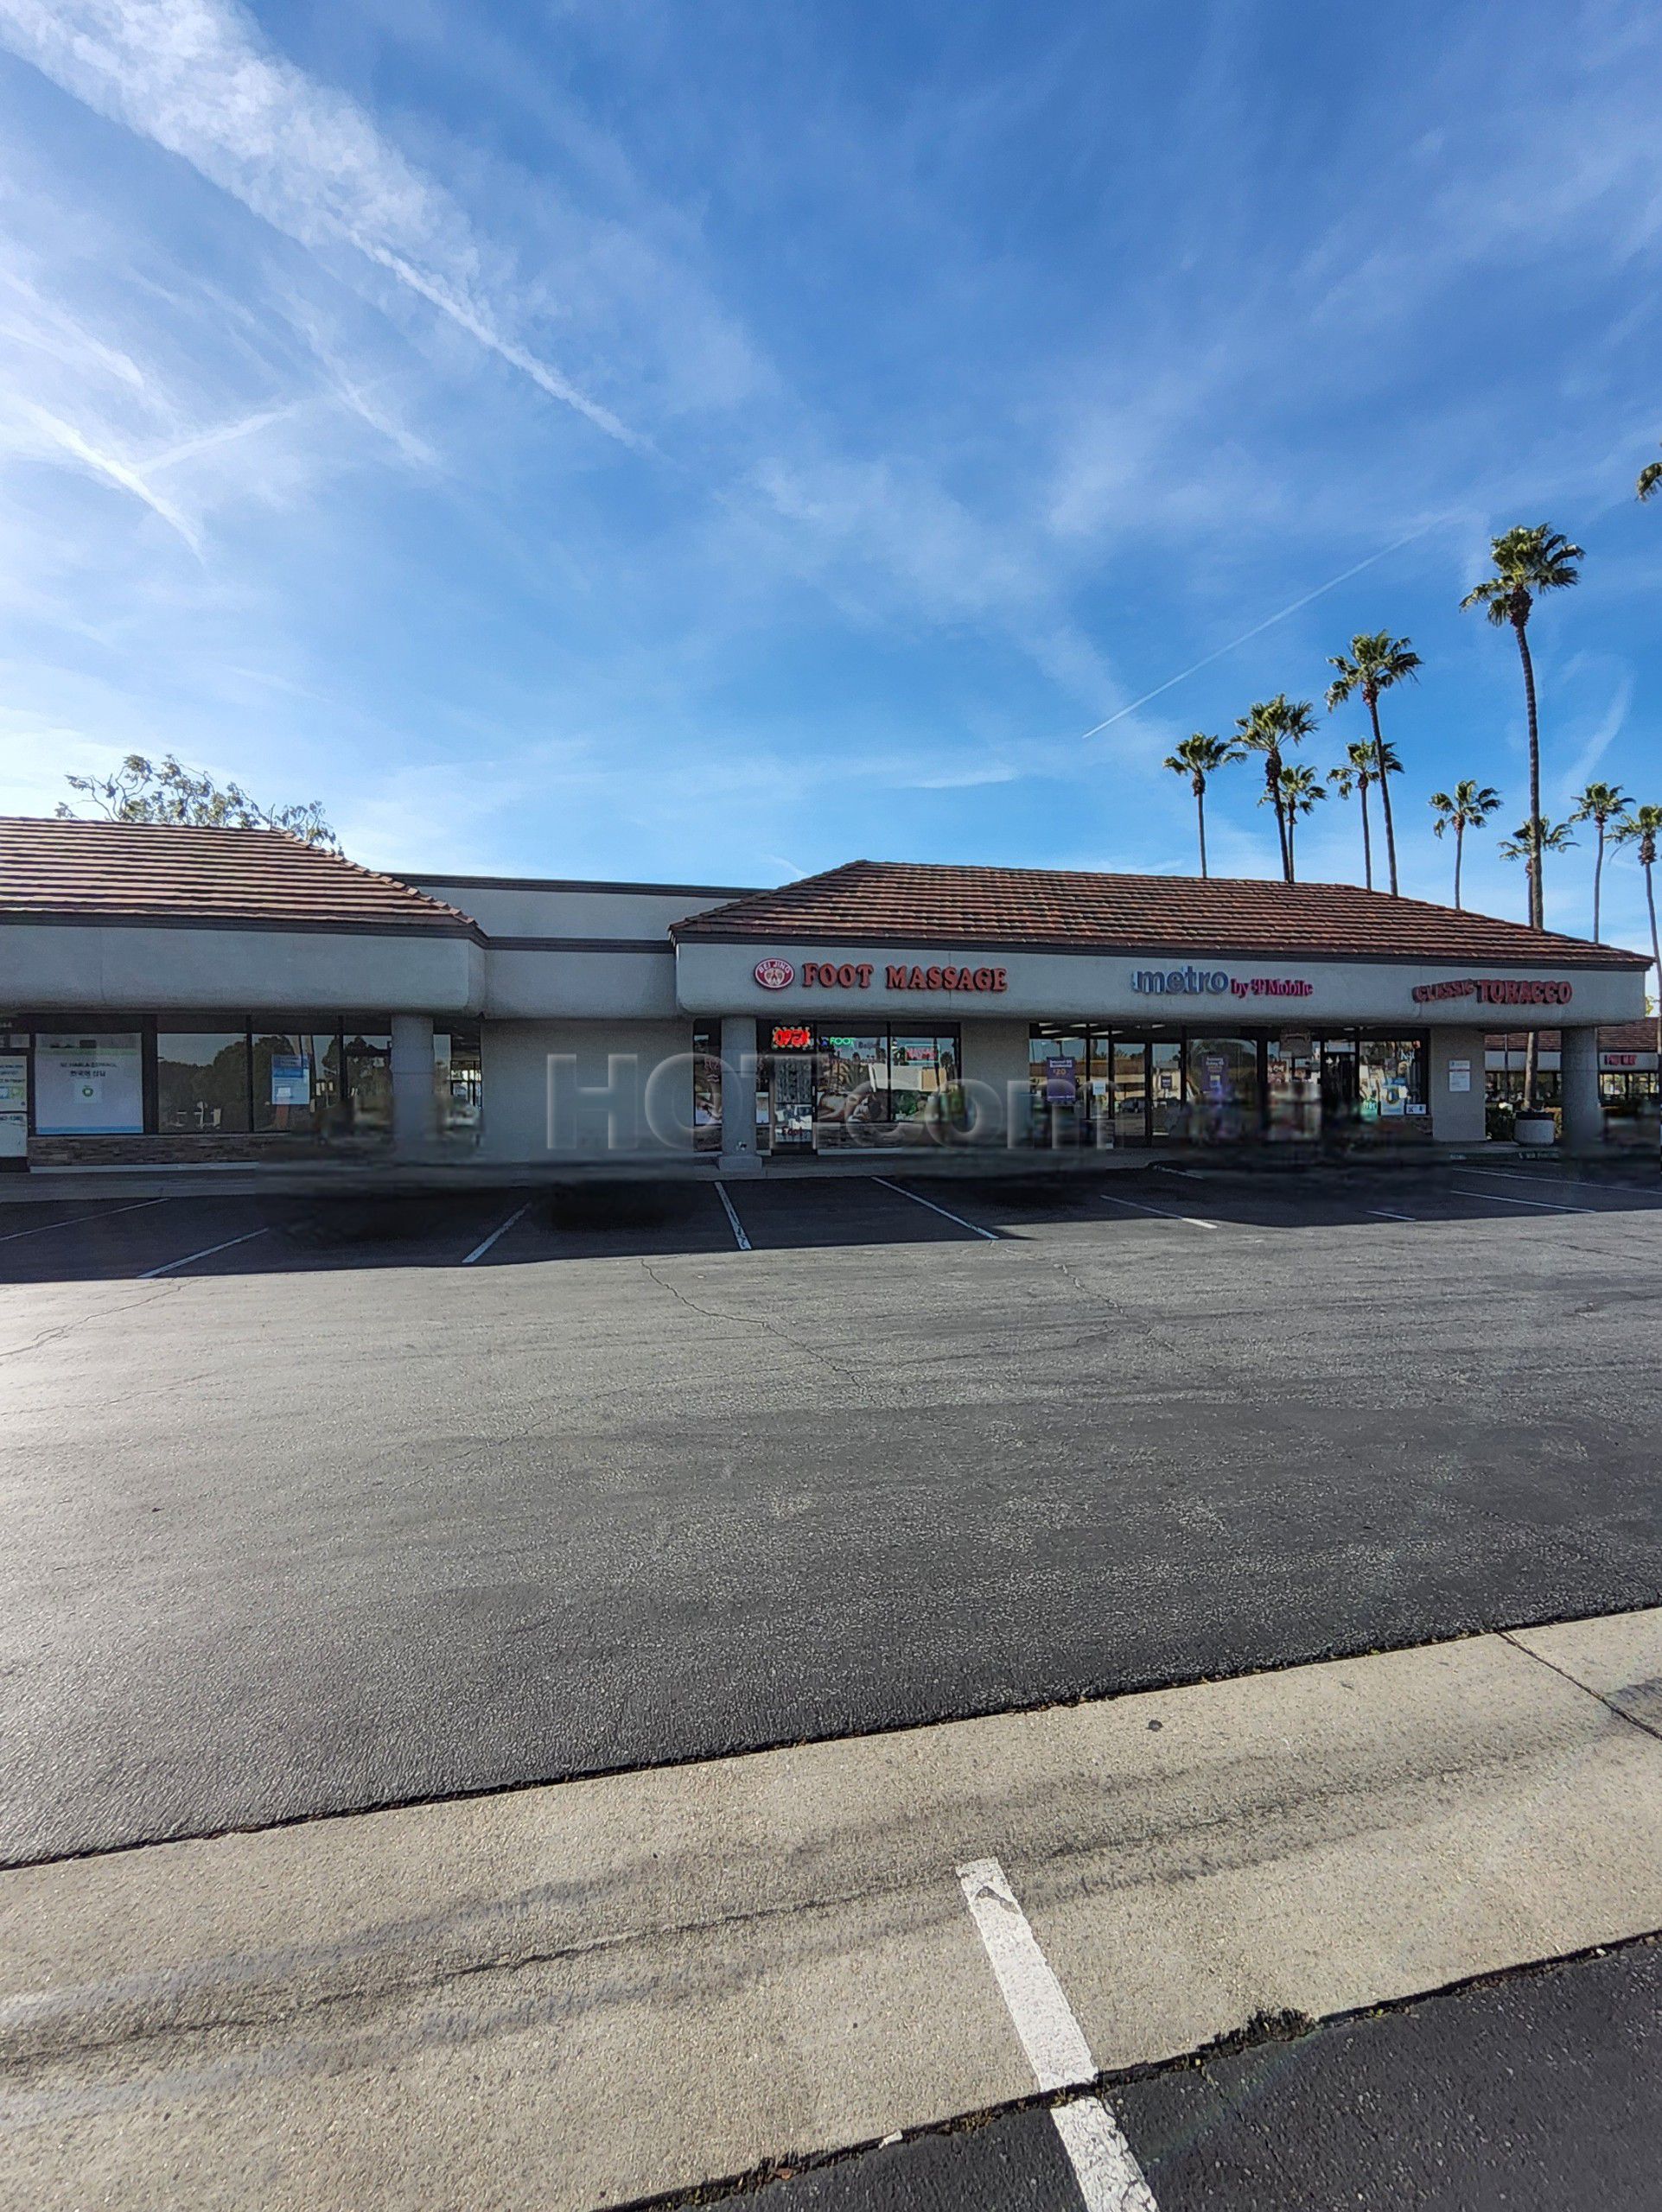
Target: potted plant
[(1535, 1126)]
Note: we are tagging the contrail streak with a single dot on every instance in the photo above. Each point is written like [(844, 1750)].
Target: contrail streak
[(1258, 629)]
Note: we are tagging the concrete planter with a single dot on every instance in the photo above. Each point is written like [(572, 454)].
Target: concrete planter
[(1534, 1129)]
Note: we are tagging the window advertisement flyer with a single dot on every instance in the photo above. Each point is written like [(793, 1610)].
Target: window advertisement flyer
[(89, 1086), (291, 1079), (14, 1106)]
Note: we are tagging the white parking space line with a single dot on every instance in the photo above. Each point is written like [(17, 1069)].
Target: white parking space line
[(1500, 1199), (974, 1228), (733, 1221), (1165, 1213), (1104, 2163), (1576, 1182), (501, 1230), (1384, 1213), (137, 1206), (206, 1253)]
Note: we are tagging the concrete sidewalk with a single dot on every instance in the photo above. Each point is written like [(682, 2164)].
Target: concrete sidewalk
[(587, 1994)]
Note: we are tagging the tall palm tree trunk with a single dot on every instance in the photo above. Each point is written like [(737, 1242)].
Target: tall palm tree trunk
[(1598, 878), (1367, 842), (1656, 955), (1272, 778), (1536, 903), (1459, 843), (1384, 789), (1201, 810)]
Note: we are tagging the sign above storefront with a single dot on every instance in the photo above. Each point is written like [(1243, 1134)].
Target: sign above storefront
[(1217, 982), (1505, 990), (777, 974)]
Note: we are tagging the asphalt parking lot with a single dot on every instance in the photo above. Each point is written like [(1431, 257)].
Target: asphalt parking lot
[(316, 1506)]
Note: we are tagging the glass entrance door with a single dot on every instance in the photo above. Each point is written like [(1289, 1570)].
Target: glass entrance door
[(1130, 1072), (792, 1094)]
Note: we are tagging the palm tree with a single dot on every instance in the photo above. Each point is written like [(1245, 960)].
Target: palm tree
[(1197, 758), (1649, 477), (1468, 806), (1359, 771), (1527, 843), (1296, 792), (1599, 803), (1528, 561), (1642, 827), (1376, 661), (1265, 728)]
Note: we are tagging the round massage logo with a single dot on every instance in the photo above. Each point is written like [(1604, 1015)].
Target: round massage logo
[(775, 975)]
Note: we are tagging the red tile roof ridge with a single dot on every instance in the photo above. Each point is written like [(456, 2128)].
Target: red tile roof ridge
[(68, 867), (889, 901)]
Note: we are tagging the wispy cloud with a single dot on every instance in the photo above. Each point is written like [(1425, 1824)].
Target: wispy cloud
[(55, 436), (196, 77)]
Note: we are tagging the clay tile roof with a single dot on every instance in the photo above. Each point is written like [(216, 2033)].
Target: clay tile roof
[(889, 902), (150, 872)]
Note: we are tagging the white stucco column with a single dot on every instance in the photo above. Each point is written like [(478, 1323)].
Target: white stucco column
[(1457, 1099), (739, 1154), (415, 1107), (1578, 1073)]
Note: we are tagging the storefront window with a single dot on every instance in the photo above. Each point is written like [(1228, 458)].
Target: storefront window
[(1390, 1081), (1294, 1072), (458, 1082), (368, 1090), (853, 1079), (1129, 1070), (706, 1088), (202, 1082), (293, 1084), (1223, 1089), (1059, 1084), (1169, 1108), (922, 1076)]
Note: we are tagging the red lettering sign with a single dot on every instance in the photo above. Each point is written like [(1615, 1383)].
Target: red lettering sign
[(1497, 990), (856, 975)]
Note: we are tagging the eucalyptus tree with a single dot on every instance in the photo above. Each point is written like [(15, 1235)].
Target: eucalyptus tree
[(1264, 730), (1297, 791), (1528, 561), (1601, 804), (1357, 773), (1640, 828), (1374, 664), (1468, 806), (1198, 758)]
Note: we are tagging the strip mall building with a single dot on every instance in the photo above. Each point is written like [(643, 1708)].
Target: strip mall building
[(170, 995)]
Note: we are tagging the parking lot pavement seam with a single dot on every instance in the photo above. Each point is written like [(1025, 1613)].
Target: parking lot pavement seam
[(1609, 1704)]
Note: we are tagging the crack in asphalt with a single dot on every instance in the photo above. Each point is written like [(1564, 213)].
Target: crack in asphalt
[(755, 1321)]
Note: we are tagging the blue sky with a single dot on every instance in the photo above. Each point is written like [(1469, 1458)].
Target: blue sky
[(710, 442)]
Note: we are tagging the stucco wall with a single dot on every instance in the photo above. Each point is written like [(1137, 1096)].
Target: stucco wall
[(1457, 1117), (257, 970), (1088, 986), (613, 1118)]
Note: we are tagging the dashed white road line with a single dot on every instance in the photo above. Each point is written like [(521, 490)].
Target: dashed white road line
[(501, 1230), (733, 1221), (1165, 1213), (1500, 1199), (974, 1228), (40, 1230), (206, 1253), (1104, 2162)]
